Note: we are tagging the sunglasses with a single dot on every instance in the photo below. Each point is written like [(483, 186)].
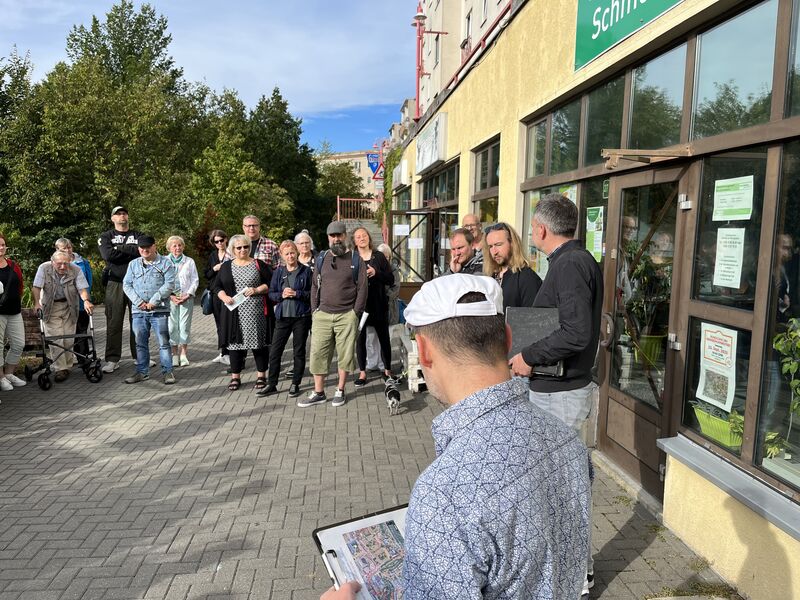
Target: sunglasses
[(497, 227), (241, 247), (219, 241)]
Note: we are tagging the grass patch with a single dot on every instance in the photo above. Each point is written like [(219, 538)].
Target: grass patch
[(698, 565), (658, 531), (710, 590), (624, 500)]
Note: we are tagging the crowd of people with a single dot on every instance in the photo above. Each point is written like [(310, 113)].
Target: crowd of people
[(261, 293)]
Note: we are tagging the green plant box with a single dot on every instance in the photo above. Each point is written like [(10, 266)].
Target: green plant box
[(717, 429)]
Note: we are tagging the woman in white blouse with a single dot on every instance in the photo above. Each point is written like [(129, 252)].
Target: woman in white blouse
[(180, 315)]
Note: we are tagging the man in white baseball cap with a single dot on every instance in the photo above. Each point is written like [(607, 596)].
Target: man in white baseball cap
[(505, 472)]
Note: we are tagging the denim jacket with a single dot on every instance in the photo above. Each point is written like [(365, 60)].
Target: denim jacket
[(151, 283)]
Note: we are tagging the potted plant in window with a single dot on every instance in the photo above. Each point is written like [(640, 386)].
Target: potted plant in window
[(651, 284), (787, 344), (725, 429)]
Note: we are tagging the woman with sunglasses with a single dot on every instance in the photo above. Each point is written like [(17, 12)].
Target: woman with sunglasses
[(242, 285), (218, 255)]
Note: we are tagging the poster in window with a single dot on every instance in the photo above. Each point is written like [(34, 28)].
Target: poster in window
[(730, 256), (594, 231), (733, 199), (717, 383)]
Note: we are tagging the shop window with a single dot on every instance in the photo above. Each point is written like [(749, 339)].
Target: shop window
[(734, 72), (729, 230), (604, 120), (778, 446), (486, 209), (657, 102), (402, 199), (716, 383), (488, 168), (793, 105), (594, 211), (564, 138), (537, 138), (441, 188), (538, 259)]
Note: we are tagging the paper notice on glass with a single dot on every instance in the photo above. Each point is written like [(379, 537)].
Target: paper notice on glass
[(237, 300), (730, 256), (445, 243), (401, 229), (733, 199), (363, 321), (594, 231), (717, 383), (414, 243)]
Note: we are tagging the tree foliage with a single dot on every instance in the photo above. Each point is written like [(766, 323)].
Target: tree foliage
[(117, 124)]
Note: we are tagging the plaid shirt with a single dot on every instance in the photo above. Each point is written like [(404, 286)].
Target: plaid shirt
[(267, 250)]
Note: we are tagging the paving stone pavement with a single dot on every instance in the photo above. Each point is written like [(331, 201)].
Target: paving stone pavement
[(114, 491)]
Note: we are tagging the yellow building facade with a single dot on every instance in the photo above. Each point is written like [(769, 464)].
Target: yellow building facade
[(692, 212)]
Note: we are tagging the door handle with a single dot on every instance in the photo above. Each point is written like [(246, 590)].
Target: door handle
[(611, 330)]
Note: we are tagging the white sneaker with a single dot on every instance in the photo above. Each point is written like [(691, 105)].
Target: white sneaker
[(217, 358), (184, 361), (338, 398), (110, 366), (16, 381), (152, 363), (225, 359), (5, 385)]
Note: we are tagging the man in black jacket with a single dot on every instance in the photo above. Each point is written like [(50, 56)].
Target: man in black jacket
[(118, 247), (574, 285)]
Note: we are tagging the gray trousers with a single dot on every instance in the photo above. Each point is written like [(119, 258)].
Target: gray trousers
[(116, 302)]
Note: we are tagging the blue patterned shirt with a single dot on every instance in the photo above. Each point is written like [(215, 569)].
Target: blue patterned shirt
[(503, 511)]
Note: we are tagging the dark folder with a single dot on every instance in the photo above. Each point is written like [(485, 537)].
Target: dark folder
[(529, 325)]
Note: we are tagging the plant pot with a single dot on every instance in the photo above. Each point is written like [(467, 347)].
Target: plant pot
[(650, 350), (717, 429)]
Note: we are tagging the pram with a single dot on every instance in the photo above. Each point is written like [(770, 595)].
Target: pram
[(91, 365)]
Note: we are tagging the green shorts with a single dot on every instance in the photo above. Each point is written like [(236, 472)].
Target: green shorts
[(329, 331)]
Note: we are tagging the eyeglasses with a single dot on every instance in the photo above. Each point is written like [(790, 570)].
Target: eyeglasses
[(251, 225), (473, 226), (219, 241), (241, 247)]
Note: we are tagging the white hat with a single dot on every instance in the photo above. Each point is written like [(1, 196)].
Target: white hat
[(437, 300)]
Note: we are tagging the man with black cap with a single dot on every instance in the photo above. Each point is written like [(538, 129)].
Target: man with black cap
[(118, 247), (503, 510), (148, 284), (338, 298)]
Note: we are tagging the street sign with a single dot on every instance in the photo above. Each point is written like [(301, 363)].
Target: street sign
[(373, 160), (378, 184)]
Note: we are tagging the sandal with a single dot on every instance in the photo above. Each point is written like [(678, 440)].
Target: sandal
[(234, 385), (261, 383)]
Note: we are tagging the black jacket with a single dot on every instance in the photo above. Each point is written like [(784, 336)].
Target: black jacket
[(574, 285), (302, 285), (520, 288), (377, 300), (118, 248)]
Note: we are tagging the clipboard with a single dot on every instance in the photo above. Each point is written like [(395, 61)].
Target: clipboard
[(528, 326), (349, 552)]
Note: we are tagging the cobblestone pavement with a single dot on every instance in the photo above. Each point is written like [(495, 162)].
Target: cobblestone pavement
[(113, 491)]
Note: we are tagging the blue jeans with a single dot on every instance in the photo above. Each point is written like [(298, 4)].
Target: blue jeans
[(142, 322)]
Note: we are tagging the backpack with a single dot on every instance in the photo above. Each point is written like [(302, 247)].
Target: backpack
[(355, 267)]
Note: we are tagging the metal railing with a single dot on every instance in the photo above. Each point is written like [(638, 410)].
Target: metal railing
[(357, 209)]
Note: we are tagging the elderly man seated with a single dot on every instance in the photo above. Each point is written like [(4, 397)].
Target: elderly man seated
[(58, 288)]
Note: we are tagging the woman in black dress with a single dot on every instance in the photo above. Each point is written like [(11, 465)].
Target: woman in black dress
[(218, 255)]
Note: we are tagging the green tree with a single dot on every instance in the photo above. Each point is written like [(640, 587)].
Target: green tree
[(729, 110)]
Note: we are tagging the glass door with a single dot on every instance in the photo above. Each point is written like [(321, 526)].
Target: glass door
[(641, 284)]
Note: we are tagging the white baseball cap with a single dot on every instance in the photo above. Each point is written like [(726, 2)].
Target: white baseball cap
[(437, 300)]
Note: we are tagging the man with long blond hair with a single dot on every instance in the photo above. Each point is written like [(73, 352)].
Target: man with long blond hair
[(505, 260)]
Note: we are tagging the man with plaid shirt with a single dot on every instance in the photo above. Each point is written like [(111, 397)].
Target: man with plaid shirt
[(261, 248)]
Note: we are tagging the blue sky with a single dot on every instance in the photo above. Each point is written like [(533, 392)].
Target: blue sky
[(345, 66)]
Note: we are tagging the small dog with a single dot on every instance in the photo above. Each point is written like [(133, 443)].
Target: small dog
[(392, 395)]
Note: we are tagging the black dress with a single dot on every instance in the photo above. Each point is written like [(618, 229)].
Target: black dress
[(247, 327)]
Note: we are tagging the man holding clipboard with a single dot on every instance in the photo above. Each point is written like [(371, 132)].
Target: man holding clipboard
[(503, 510), (574, 285)]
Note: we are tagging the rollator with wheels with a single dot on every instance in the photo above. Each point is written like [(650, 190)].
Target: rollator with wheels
[(88, 362)]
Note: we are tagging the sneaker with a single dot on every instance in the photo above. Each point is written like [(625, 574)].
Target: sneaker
[(338, 398), (313, 398), (15, 381), (289, 374), (137, 377), (152, 363), (267, 391), (110, 366), (169, 378), (294, 391), (225, 359), (217, 358), (5, 385), (184, 361), (588, 584)]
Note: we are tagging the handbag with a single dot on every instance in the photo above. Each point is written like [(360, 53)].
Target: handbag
[(207, 302)]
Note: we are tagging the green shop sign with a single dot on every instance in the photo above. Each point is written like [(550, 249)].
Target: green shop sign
[(603, 24)]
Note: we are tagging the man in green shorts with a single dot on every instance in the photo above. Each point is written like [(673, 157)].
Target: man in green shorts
[(338, 298)]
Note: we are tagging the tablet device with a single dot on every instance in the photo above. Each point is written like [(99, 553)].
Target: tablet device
[(368, 549), (529, 325)]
